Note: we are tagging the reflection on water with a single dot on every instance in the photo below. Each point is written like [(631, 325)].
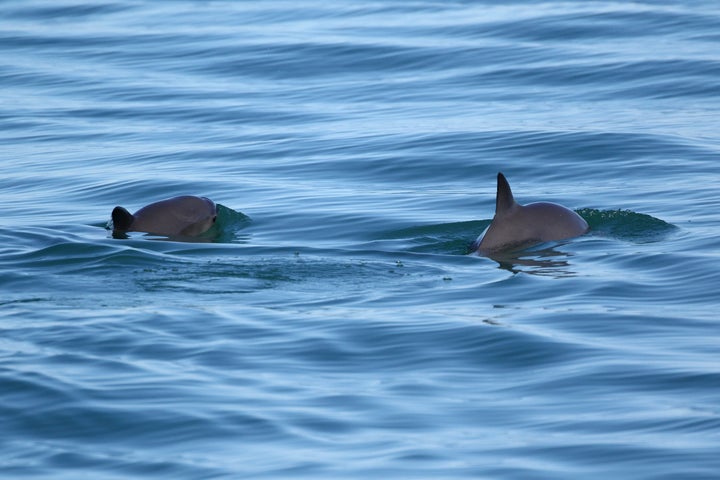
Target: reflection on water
[(543, 261)]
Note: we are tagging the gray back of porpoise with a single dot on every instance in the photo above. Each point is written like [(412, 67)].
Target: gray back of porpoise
[(518, 226), (186, 215)]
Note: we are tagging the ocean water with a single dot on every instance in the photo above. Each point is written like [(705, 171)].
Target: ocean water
[(333, 325)]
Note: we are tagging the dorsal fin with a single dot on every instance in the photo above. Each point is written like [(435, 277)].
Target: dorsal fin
[(504, 200), (122, 219)]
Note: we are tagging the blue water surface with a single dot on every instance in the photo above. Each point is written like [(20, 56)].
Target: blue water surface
[(333, 324)]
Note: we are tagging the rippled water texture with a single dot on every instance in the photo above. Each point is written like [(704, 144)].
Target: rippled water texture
[(332, 324)]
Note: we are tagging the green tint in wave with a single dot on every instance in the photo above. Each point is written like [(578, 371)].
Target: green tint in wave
[(626, 225)]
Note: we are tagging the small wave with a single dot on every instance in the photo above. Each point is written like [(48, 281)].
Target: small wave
[(443, 238), (626, 225), (229, 223)]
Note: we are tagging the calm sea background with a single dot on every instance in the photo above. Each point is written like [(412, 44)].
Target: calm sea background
[(335, 326)]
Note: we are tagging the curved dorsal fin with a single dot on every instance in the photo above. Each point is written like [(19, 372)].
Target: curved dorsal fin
[(122, 219), (504, 200)]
